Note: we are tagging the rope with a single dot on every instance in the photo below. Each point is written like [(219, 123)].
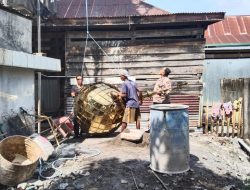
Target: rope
[(58, 172), (88, 35), (134, 179), (163, 184), (86, 42)]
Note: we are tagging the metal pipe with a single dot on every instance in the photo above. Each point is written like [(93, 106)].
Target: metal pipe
[(87, 15), (38, 27), (39, 73), (39, 101), (71, 76)]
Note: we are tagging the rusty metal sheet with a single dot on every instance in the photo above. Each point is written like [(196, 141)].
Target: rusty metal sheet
[(233, 29), (105, 8), (190, 100)]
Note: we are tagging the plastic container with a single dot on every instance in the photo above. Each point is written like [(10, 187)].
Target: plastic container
[(169, 138)]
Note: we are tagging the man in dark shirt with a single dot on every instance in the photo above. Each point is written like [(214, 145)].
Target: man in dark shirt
[(132, 98), (74, 93)]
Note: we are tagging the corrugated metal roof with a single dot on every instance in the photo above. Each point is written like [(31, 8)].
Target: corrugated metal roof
[(232, 30), (105, 8)]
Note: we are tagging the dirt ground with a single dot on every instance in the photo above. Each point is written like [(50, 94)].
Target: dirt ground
[(110, 163)]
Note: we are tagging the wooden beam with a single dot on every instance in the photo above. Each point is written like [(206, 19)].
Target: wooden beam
[(148, 64), (137, 33), (78, 48), (139, 71), (133, 58), (172, 19)]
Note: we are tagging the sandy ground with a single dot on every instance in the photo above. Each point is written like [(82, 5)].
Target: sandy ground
[(216, 163)]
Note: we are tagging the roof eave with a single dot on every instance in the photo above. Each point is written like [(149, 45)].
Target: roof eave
[(181, 18)]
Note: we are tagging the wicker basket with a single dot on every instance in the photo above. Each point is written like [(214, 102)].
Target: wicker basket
[(96, 109), (11, 172)]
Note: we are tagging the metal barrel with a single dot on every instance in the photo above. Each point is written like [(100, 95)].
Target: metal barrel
[(169, 138)]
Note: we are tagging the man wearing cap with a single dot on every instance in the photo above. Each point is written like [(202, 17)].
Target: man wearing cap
[(133, 99), (74, 93)]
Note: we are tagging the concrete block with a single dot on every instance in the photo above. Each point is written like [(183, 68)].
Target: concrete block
[(132, 134)]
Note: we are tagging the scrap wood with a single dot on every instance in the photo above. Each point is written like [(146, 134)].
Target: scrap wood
[(159, 180)]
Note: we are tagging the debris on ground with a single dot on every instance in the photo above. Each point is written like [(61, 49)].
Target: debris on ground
[(110, 163)]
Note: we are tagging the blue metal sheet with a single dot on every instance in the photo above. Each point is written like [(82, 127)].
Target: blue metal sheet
[(217, 69)]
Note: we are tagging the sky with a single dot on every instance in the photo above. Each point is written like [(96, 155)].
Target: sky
[(231, 7)]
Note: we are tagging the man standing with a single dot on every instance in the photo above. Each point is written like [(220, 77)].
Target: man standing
[(162, 87), (74, 93), (133, 99)]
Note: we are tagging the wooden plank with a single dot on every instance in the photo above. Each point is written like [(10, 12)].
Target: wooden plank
[(228, 123), (138, 71), (174, 82), (75, 48), (133, 58), (233, 123), (222, 122), (150, 64), (240, 127), (143, 42), (137, 33), (149, 79), (141, 21), (171, 76)]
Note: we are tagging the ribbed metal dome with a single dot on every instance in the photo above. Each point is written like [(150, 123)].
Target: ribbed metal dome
[(97, 111)]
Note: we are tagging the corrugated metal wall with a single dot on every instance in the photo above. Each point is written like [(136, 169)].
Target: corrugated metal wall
[(217, 69)]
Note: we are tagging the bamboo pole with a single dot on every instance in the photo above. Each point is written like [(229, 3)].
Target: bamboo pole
[(233, 122), (240, 120), (222, 122), (228, 123)]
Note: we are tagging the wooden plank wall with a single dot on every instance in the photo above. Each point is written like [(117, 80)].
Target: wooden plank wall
[(143, 53)]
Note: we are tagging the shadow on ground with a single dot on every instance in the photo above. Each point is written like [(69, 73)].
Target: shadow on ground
[(114, 174)]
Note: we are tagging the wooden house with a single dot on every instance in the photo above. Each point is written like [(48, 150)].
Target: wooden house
[(137, 37)]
